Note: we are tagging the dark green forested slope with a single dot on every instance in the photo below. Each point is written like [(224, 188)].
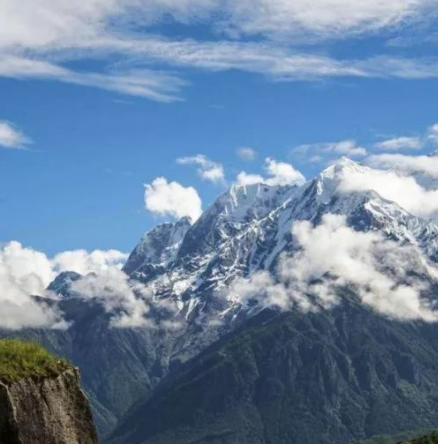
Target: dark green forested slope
[(427, 439), (332, 377)]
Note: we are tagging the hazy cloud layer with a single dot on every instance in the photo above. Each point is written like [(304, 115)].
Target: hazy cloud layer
[(318, 152), (400, 143), (246, 153)]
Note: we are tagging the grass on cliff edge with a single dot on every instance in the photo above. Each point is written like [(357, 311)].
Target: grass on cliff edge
[(20, 359)]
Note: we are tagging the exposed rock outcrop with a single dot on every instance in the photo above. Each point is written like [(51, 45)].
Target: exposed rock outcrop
[(45, 410)]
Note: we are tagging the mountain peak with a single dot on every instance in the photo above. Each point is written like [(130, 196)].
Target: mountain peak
[(62, 283), (328, 180), (340, 166), (158, 246)]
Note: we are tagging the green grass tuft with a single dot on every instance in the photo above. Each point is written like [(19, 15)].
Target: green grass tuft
[(19, 359)]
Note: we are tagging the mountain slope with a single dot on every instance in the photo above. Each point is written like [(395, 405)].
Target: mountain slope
[(336, 376)]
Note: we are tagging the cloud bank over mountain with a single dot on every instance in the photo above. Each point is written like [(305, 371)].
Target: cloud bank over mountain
[(391, 276), (332, 256), (25, 272)]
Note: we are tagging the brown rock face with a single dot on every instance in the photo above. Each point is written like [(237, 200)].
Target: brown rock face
[(46, 411)]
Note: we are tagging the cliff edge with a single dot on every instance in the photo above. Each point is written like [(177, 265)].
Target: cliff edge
[(41, 400)]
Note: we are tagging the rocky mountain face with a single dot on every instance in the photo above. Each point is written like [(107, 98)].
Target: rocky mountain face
[(45, 410), (231, 374)]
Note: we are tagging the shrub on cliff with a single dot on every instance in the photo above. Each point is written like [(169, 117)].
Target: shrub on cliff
[(20, 359)]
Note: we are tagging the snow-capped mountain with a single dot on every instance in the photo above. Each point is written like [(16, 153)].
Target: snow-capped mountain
[(157, 249), (62, 284), (244, 231), (248, 227)]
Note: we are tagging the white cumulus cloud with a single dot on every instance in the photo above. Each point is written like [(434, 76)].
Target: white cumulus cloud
[(84, 262), (244, 178), (282, 173), (172, 199), (11, 137), (278, 174)]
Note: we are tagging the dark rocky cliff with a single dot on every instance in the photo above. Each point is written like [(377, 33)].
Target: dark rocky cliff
[(44, 407)]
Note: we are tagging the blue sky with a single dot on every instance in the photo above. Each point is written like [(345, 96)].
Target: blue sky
[(146, 83)]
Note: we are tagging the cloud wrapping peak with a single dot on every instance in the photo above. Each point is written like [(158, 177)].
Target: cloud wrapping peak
[(407, 165), (25, 272), (118, 296), (332, 256), (172, 199), (401, 189)]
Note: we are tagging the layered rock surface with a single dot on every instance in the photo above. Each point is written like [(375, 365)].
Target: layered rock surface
[(45, 410)]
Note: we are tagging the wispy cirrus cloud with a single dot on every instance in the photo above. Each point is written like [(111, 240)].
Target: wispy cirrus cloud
[(246, 153), (37, 38), (320, 152), (154, 85), (207, 169), (400, 143)]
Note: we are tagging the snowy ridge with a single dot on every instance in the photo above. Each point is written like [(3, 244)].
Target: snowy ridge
[(248, 227), (158, 247)]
